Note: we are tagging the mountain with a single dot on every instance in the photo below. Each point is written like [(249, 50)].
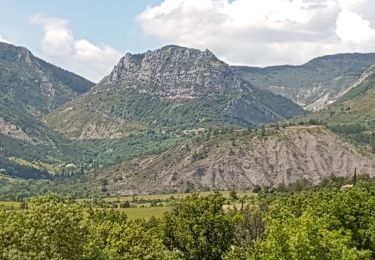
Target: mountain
[(354, 112), (29, 89), (33, 86), (239, 160), (174, 87), (313, 85)]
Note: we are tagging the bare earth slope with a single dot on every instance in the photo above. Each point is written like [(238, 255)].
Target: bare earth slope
[(239, 161)]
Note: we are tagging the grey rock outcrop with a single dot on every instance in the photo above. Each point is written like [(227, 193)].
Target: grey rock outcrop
[(175, 72)]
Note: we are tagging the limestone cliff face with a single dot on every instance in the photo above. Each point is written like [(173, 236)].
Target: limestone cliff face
[(175, 72), (243, 161)]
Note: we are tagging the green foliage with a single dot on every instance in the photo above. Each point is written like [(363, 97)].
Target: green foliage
[(50, 228), (326, 223), (343, 216), (136, 240), (53, 228), (199, 228), (305, 237), (249, 227)]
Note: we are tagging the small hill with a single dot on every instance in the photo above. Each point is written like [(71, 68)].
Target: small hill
[(313, 85), (172, 87), (239, 160)]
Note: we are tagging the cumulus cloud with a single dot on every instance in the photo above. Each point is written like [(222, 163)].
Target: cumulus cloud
[(264, 32), (351, 27), (2, 39), (79, 55)]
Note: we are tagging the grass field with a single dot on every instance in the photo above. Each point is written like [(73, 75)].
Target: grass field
[(164, 197), (146, 213), (144, 210), (10, 205)]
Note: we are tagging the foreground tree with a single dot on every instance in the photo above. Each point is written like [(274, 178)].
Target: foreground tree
[(50, 228), (198, 228), (249, 228), (305, 237), (111, 236), (137, 240), (100, 225)]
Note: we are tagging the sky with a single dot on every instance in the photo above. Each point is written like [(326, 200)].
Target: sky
[(88, 37)]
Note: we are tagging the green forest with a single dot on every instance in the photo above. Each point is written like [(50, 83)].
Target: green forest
[(326, 222)]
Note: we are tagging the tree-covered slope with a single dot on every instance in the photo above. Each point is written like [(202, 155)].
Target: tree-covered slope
[(29, 89), (172, 87)]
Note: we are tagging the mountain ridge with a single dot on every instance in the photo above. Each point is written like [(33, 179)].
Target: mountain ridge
[(313, 85), (355, 110)]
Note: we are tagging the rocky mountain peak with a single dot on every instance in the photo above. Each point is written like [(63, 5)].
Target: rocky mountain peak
[(175, 72)]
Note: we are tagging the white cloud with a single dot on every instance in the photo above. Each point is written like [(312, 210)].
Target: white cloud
[(79, 55), (2, 39), (351, 27), (264, 32)]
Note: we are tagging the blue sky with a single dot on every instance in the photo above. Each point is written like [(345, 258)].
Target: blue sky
[(101, 22), (90, 36)]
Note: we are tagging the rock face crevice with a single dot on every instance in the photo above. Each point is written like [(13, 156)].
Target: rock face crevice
[(284, 157)]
